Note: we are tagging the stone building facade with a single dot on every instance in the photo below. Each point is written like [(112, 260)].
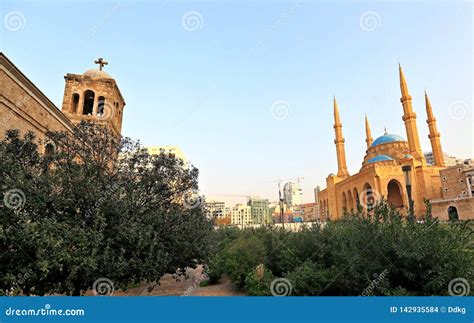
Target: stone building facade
[(92, 96), (457, 193), (24, 107), (392, 168)]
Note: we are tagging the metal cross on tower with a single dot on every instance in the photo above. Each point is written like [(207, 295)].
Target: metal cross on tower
[(101, 62)]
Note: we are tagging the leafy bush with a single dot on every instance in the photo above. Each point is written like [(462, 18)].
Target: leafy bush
[(241, 257), (258, 282), (381, 253)]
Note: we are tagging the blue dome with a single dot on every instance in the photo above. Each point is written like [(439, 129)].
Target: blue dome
[(387, 138), (408, 156), (379, 158)]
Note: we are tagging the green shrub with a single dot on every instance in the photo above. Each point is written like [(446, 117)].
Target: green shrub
[(258, 282), (241, 257), (381, 253)]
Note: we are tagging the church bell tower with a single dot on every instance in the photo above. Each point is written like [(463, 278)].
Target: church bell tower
[(94, 96)]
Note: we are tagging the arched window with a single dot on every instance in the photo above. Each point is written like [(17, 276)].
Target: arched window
[(74, 103), (101, 106), (350, 201), (344, 202), (369, 200), (88, 102), (356, 198), (49, 149), (394, 193), (453, 213)]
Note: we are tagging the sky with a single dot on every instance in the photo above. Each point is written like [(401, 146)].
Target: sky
[(245, 88)]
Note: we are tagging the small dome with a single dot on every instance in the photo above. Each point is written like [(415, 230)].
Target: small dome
[(379, 158), (97, 74), (386, 139), (408, 156)]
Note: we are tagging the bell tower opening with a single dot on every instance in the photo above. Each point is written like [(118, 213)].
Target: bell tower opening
[(88, 103), (74, 103), (101, 106)]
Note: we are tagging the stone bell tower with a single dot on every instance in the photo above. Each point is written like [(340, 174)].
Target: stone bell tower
[(94, 96)]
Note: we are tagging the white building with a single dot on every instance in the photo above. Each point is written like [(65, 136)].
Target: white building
[(216, 209), (292, 195), (241, 213), (448, 160), (174, 151)]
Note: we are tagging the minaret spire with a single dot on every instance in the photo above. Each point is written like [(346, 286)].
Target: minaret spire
[(368, 134), (409, 117), (434, 135), (339, 141)]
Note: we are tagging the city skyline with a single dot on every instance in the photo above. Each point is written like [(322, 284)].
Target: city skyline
[(216, 104)]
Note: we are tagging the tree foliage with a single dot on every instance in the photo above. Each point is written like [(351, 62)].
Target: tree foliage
[(98, 206)]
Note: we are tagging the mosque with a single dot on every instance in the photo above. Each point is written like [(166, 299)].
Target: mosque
[(394, 169)]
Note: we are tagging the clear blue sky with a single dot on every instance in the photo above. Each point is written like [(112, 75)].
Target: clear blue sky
[(210, 91)]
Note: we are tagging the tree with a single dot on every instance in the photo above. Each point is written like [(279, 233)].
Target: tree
[(98, 206)]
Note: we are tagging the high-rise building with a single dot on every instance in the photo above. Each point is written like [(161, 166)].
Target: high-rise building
[(241, 214), (215, 209), (448, 160), (292, 195), (174, 151), (260, 210)]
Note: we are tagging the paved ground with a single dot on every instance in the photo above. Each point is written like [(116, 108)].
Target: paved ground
[(169, 286)]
